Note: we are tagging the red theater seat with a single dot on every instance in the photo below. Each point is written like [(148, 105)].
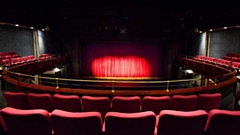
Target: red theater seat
[(140, 123), (156, 104), (99, 104), (126, 104), (184, 102), (67, 102), (26, 122), (2, 126), (41, 101), (223, 122), (172, 122), (76, 123), (208, 102), (16, 100)]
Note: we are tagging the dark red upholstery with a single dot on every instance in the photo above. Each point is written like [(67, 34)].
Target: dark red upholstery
[(237, 101), (184, 102), (41, 101), (26, 122), (172, 122), (126, 104), (2, 126), (67, 102), (141, 123), (208, 102), (156, 104), (76, 123), (99, 104), (223, 122), (16, 100)]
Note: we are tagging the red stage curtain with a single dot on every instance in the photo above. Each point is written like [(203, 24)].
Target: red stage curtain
[(127, 60), (126, 66)]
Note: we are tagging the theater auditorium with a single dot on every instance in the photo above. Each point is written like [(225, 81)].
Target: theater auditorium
[(71, 67)]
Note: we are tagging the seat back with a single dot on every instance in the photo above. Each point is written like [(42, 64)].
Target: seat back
[(173, 122), (69, 103), (16, 100), (126, 104), (140, 123), (223, 122), (76, 123), (26, 122), (99, 104), (41, 101), (184, 102), (156, 104), (208, 102), (2, 126)]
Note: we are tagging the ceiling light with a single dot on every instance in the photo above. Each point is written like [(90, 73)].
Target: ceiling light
[(16, 25)]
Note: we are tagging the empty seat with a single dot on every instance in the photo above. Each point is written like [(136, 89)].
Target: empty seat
[(41, 101), (16, 100), (76, 123), (26, 122), (126, 104), (208, 102), (67, 102), (140, 123), (223, 122), (237, 101), (99, 104), (156, 104), (2, 126), (171, 122), (184, 102)]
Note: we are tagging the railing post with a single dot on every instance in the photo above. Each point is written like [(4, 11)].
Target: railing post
[(215, 81), (167, 86), (112, 85), (208, 85), (57, 86), (18, 82)]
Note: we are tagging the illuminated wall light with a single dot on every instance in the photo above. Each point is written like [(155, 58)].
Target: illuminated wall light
[(224, 27), (56, 69), (200, 31), (31, 27), (16, 25), (43, 29), (189, 71), (210, 30)]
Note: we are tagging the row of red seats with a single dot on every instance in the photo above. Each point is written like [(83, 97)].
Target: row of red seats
[(127, 104), (4, 54), (7, 62), (167, 122), (232, 57), (218, 61), (12, 61), (44, 56)]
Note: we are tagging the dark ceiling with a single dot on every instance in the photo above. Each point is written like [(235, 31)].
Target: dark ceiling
[(76, 14)]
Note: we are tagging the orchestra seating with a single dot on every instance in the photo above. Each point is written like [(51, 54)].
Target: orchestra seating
[(168, 122), (125, 104)]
